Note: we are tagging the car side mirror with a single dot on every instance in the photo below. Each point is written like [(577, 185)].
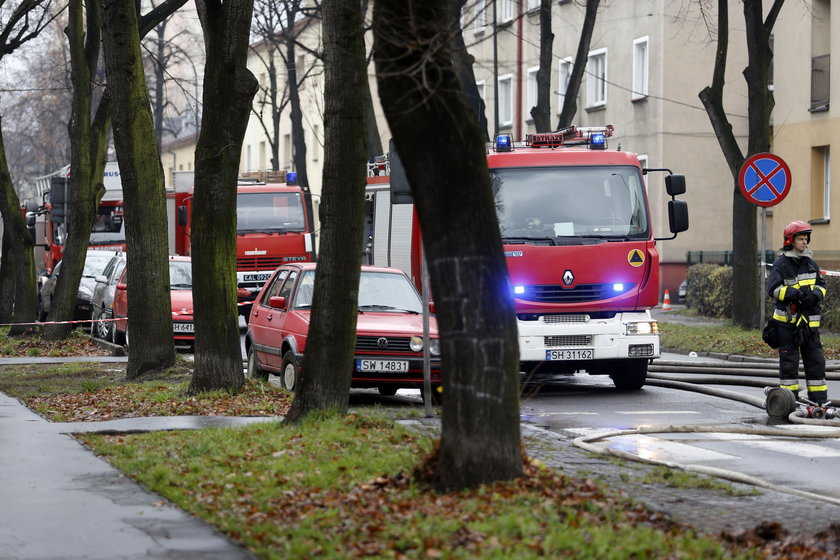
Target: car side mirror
[(122, 286), (277, 302)]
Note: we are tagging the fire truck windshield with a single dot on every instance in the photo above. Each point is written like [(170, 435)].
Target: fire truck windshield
[(270, 212), (570, 204), (108, 226)]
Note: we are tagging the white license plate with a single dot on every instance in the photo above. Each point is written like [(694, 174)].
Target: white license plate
[(182, 327), (382, 366), (255, 277), (577, 354)]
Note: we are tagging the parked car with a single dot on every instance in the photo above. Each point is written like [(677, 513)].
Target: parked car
[(389, 330), (95, 262), (682, 293), (102, 302), (180, 294)]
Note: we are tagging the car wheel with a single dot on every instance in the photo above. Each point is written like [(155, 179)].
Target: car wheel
[(289, 372), (632, 376), (388, 390), (104, 327), (253, 371)]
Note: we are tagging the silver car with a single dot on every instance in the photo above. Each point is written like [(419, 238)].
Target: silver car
[(95, 263)]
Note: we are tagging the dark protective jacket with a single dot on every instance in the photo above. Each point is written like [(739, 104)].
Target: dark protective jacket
[(797, 287)]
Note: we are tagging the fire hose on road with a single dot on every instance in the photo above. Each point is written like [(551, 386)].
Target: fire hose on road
[(777, 404)]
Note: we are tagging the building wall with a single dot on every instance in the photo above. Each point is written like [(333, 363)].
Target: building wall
[(801, 133)]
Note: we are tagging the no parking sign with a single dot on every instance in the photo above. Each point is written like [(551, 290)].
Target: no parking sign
[(764, 179)]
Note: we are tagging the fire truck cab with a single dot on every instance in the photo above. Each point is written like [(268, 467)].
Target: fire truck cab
[(580, 250)]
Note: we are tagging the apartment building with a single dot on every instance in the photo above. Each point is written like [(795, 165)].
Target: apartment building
[(806, 131)]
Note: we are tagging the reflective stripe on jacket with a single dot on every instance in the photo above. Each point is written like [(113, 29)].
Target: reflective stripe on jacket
[(789, 277)]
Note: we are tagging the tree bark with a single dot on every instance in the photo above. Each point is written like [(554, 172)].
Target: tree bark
[(581, 57), (464, 62), (328, 359), (441, 147), (147, 271), (18, 255), (229, 89), (541, 113)]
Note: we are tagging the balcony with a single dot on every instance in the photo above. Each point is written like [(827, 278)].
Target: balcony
[(820, 83)]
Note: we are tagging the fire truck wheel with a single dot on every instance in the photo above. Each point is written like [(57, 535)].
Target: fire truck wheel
[(104, 327), (289, 376), (630, 375), (253, 370)]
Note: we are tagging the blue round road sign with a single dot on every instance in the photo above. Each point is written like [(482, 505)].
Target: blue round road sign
[(764, 179)]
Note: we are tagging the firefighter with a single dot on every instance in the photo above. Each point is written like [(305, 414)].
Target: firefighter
[(797, 287)]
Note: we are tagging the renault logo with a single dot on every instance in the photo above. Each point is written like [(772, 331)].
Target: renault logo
[(382, 342), (568, 278)]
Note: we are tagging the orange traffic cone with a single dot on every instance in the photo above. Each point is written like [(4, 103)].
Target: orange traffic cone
[(666, 303)]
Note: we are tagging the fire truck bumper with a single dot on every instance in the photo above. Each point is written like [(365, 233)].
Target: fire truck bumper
[(578, 337)]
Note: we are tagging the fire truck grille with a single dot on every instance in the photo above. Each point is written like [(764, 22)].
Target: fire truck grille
[(570, 340), (566, 318), (382, 344), (580, 293), (258, 263)]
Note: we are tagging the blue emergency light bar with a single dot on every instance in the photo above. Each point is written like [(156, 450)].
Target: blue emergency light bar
[(504, 143), (597, 141), (291, 178)]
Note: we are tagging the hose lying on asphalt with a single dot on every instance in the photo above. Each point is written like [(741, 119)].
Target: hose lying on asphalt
[(586, 443)]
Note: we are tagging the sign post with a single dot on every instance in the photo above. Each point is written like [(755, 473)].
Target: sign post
[(764, 180)]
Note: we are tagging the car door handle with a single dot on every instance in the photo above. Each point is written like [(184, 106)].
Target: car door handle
[(270, 316)]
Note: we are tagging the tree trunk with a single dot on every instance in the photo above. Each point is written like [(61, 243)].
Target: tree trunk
[(745, 269), (581, 57), (18, 257), (229, 89), (150, 312), (441, 147), (542, 112), (328, 360), (83, 36)]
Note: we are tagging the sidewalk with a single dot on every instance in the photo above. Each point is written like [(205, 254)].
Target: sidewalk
[(60, 501)]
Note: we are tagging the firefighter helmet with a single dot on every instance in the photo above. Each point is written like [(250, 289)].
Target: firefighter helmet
[(795, 228)]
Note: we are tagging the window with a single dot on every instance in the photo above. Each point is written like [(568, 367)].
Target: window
[(505, 13), (480, 21), (504, 92), (533, 89), (821, 183), (596, 79), (533, 5), (482, 90), (640, 68), (820, 55), (565, 74)]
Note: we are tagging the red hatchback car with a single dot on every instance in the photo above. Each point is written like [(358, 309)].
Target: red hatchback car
[(180, 285), (389, 329)]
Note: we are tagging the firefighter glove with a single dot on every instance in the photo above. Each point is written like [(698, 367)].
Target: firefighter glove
[(792, 295), (808, 299)]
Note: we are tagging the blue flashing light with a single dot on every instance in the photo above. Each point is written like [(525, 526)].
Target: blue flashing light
[(291, 178), (598, 141), (504, 143), (519, 290), (618, 287)]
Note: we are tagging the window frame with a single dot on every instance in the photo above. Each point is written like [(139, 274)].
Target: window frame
[(505, 105), (596, 79), (641, 69)]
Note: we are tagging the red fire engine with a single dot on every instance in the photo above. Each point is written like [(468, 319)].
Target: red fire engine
[(271, 229), (579, 246), (49, 220)]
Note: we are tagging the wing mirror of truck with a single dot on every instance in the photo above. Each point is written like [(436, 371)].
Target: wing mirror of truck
[(678, 215), (182, 216), (277, 302), (675, 185)]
